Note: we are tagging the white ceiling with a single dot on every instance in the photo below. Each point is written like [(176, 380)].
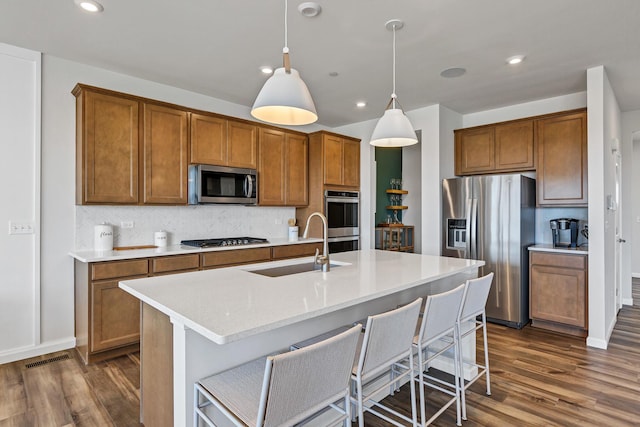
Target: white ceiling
[(215, 47)]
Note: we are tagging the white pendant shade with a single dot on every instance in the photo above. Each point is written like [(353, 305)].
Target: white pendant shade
[(393, 130), (285, 100)]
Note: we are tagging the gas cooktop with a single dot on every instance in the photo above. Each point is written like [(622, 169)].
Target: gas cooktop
[(225, 241)]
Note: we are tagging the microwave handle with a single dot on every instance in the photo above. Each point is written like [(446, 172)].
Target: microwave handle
[(248, 185)]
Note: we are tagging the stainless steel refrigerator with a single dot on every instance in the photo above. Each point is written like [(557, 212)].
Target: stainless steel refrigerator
[(492, 218)]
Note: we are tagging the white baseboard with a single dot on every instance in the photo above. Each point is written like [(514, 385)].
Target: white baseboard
[(37, 350), (627, 301), (596, 343), (635, 275)]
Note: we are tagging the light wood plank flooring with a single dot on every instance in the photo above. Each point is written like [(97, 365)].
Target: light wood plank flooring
[(538, 378)]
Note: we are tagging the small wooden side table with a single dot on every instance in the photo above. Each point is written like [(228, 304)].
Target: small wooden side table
[(394, 237)]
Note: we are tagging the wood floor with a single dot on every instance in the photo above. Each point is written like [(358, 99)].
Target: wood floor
[(538, 378)]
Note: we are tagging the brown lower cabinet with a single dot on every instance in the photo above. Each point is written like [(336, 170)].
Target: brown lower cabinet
[(107, 320), (558, 286)]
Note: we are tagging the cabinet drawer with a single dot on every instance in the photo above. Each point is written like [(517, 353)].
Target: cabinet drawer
[(112, 269), (559, 260), (293, 251), (175, 263), (234, 257)]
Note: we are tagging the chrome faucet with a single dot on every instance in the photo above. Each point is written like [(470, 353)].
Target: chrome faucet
[(323, 259)]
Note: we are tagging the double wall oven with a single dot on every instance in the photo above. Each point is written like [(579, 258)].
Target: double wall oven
[(342, 209)]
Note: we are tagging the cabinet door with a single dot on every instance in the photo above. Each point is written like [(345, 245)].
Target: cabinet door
[(242, 145), (297, 175), (271, 168), (558, 295), (115, 316), (562, 160), (514, 146), (475, 151), (165, 155), (333, 160), (208, 140), (351, 163), (107, 149)]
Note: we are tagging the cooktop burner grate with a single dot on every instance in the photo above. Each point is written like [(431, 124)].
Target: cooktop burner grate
[(226, 241)]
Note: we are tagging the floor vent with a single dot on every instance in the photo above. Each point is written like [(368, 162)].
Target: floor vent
[(47, 361)]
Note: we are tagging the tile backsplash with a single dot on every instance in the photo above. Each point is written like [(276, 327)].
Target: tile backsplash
[(180, 223)]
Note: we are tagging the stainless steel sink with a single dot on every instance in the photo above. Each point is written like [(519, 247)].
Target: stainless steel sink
[(286, 270)]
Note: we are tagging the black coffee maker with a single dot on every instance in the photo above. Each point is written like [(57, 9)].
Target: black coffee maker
[(562, 226)]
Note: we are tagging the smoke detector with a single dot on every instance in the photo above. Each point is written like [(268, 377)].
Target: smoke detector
[(309, 9)]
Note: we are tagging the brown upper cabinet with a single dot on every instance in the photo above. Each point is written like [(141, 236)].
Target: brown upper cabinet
[(338, 159), (562, 160), (223, 142), (129, 150), (558, 140), (283, 173), (503, 147), (106, 148), (165, 155)]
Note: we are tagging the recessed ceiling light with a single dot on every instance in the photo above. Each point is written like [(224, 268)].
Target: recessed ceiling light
[(361, 104), (309, 9), (89, 5), (453, 72), (266, 69), (513, 60)]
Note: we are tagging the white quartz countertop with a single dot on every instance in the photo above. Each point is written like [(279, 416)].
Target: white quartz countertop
[(94, 256), (581, 250), (229, 304)]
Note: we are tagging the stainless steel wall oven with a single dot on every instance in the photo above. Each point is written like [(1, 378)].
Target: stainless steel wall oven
[(342, 209)]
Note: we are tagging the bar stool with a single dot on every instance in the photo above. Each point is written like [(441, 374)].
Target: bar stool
[(473, 306), (284, 389), (386, 345), (437, 334)]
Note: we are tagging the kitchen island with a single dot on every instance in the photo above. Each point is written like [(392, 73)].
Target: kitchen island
[(200, 323)]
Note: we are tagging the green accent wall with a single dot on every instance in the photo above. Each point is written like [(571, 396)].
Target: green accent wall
[(389, 165)]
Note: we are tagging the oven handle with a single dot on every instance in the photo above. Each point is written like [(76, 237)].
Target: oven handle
[(343, 239), (341, 199)]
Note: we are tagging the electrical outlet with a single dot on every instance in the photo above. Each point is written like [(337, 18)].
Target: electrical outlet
[(126, 224), (278, 221), (21, 227)]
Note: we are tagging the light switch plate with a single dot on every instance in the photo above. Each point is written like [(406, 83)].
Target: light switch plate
[(21, 227)]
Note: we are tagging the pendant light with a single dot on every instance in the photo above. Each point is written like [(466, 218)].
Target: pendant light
[(394, 128), (285, 98)]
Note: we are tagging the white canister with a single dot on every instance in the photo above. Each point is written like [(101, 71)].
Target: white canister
[(103, 237), (160, 239), (293, 233)]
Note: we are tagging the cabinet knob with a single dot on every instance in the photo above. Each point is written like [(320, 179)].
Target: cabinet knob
[(621, 240)]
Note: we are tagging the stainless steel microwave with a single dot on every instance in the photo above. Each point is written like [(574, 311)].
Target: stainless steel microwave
[(221, 184)]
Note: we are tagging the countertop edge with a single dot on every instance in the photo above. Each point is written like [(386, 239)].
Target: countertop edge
[(551, 248), (95, 256)]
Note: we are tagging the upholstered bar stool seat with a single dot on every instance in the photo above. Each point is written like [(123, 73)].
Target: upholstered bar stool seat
[(284, 389)]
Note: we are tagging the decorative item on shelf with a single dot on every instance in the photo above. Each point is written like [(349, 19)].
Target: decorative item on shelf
[(394, 128), (285, 98), (395, 200)]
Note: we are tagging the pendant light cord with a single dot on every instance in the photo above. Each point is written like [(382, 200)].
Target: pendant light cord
[(286, 63), (393, 94)]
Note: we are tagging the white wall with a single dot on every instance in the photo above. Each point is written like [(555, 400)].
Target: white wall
[(604, 124), (527, 109), (20, 187), (630, 144)]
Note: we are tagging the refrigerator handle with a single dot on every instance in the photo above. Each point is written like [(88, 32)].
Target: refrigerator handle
[(467, 229), (473, 232)]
